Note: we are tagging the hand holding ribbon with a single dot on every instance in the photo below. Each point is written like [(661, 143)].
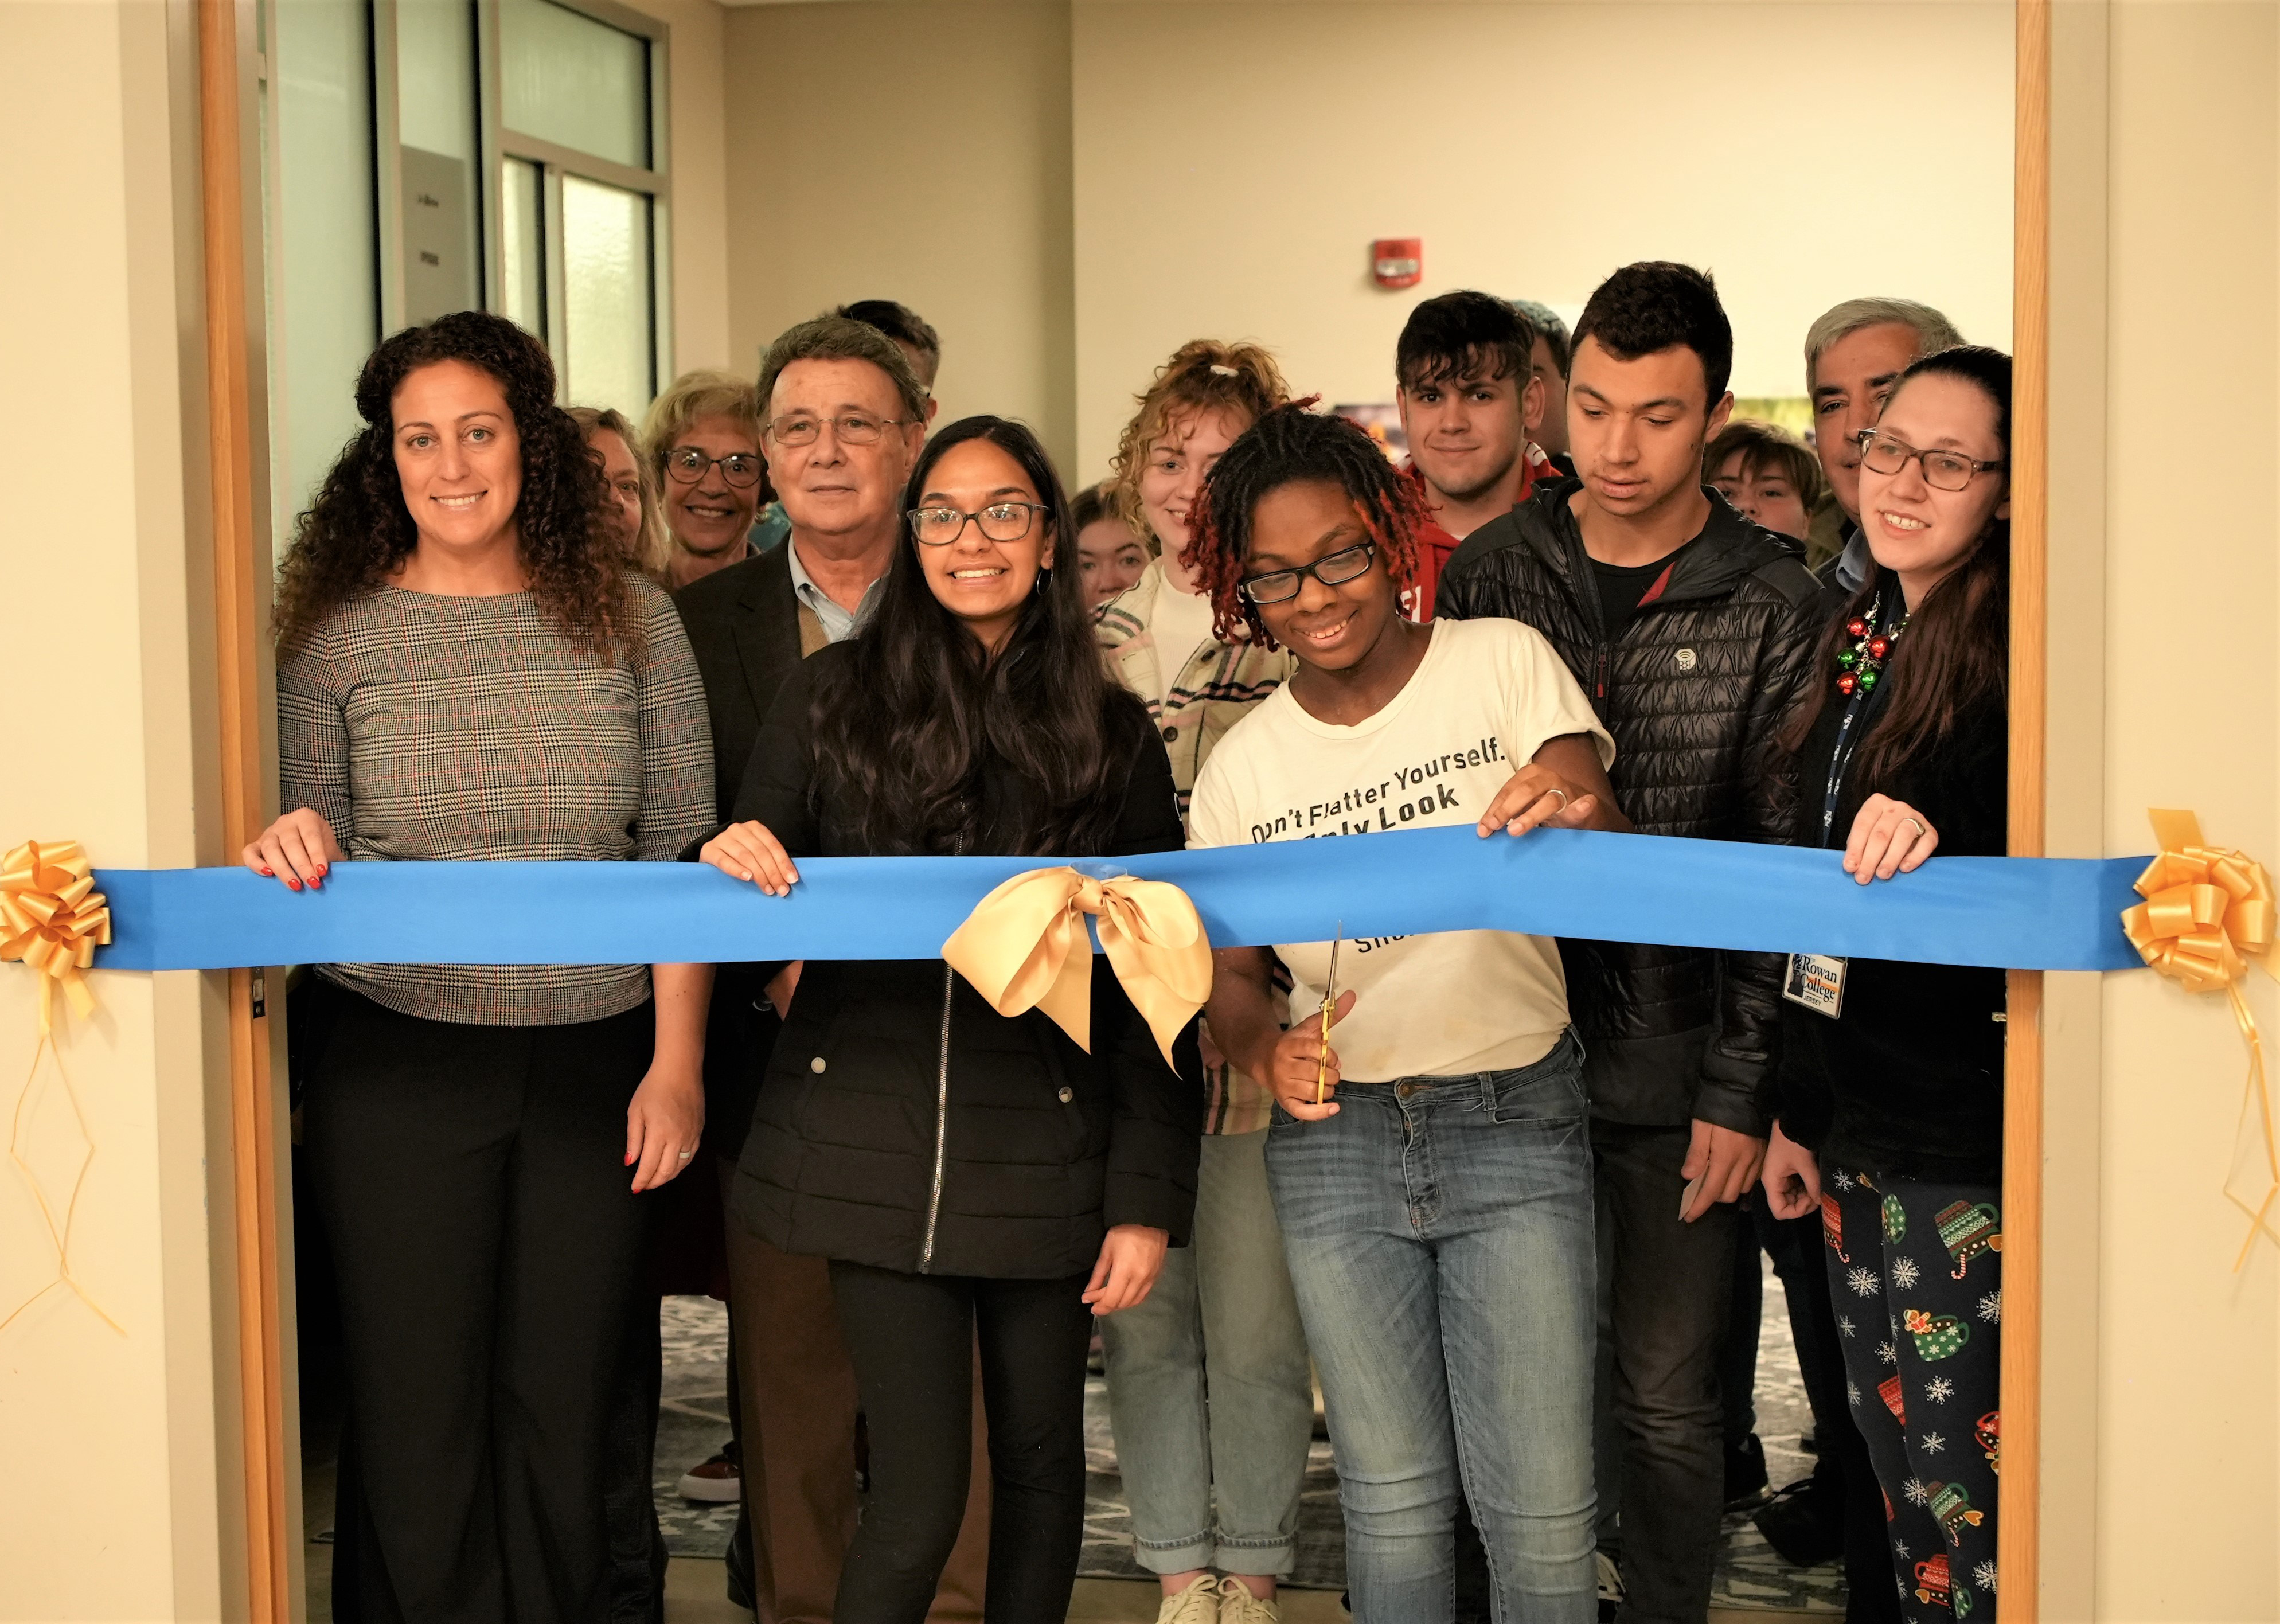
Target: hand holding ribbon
[(1025, 946), (2205, 908), (53, 919)]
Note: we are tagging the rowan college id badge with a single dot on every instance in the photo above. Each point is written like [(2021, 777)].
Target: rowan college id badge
[(1817, 981)]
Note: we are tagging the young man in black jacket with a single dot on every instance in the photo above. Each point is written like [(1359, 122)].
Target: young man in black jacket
[(1691, 630)]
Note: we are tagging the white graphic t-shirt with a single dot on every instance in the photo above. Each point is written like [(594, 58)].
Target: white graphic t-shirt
[(1488, 694)]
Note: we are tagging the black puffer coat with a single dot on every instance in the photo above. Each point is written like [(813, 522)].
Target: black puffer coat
[(905, 1123), (1694, 690)]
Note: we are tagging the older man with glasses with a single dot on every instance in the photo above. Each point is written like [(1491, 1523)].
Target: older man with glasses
[(840, 418)]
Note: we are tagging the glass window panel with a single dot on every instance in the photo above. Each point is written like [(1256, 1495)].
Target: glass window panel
[(436, 122), (607, 308), (567, 79), (522, 257), (325, 301)]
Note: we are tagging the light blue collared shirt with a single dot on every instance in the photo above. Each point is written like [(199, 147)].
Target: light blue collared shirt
[(1856, 564), (838, 624)]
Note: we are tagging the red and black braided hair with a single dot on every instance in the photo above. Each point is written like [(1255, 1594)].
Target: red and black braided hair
[(1285, 447)]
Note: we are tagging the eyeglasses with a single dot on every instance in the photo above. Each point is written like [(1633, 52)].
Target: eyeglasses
[(1333, 569), (855, 427), (688, 464), (1883, 453), (1000, 521)]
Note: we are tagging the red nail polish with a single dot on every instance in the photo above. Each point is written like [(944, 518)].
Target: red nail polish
[(293, 885), (269, 873), (630, 1160)]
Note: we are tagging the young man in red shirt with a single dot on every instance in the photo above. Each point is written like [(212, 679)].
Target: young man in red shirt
[(1468, 401)]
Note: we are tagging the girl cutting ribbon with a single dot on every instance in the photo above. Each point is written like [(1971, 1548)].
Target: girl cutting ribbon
[(965, 1170), (1892, 1116), (1436, 1206)]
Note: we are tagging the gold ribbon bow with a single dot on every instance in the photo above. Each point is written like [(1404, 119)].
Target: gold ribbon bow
[(53, 919), (1025, 946), (2206, 910)]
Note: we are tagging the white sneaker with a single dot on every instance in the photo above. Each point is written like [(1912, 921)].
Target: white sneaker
[(1198, 1604), (1238, 1606)]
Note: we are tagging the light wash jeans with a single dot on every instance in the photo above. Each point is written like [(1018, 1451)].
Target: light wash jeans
[(1439, 1231), (1208, 1383)]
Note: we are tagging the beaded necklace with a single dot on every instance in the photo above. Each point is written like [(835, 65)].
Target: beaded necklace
[(1862, 666)]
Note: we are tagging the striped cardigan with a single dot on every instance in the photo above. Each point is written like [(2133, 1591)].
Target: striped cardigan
[(1219, 682)]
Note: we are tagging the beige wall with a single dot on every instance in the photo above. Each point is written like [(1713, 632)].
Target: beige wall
[(111, 1447), (2187, 1416), (911, 152), (1151, 170), (1234, 160)]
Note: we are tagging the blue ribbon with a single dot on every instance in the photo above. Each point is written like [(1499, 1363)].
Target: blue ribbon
[(2026, 914)]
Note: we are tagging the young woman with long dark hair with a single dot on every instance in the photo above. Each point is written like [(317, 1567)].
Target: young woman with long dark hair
[(960, 1169), (1891, 1118), (470, 666)]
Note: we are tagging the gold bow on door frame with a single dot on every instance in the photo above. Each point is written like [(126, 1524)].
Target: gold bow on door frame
[(1025, 946), (2208, 910)]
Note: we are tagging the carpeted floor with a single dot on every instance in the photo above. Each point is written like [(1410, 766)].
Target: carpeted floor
[(1750, 1576), (692, 1421)]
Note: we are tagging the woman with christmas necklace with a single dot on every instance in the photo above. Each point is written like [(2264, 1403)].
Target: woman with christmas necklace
[(1891, 1112)]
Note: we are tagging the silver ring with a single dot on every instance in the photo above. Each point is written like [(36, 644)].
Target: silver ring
[(1563, 793), (1913, 824), (685, 1155)]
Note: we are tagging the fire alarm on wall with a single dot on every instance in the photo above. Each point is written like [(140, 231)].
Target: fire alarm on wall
[(1398, 262)]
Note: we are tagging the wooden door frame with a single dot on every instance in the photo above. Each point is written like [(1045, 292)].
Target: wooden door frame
[(2018, 1554), (242, 599)]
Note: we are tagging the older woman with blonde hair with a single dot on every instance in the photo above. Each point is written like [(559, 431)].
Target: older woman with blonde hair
[(702, 438), (1209, 1387)]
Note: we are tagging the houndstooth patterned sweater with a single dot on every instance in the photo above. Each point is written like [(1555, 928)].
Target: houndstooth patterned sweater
[(428, 729)]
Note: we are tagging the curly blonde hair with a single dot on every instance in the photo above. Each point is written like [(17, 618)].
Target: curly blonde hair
[(1203, 375)]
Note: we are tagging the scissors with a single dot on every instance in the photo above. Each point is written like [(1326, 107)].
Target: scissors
[(1329, 998)]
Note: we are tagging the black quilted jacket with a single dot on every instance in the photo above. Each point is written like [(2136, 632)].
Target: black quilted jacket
[(1694, 691)]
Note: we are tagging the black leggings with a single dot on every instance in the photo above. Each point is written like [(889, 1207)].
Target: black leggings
[(912, 1338)]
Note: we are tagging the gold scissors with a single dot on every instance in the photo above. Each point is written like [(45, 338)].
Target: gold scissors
[(1329, 998)]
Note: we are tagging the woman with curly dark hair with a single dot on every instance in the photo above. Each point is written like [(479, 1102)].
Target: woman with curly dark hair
[(471, 667), (1459, 1330)]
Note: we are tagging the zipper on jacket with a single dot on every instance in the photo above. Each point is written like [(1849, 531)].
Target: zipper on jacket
[(940, 1127)]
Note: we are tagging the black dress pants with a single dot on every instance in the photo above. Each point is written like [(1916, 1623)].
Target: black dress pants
[(912, 1338), (471, 1183)]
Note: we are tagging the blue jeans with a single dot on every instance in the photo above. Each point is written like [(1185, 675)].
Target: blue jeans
[(1208, 1386), (1439, 1232)]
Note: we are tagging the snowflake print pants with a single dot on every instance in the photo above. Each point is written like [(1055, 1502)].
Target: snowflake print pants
[(1916, 1271)]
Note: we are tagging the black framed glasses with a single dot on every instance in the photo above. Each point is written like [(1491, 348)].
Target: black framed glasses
[(1883, 453), (1332, 569), (1000, 521), (854, 427), (687, 465)]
